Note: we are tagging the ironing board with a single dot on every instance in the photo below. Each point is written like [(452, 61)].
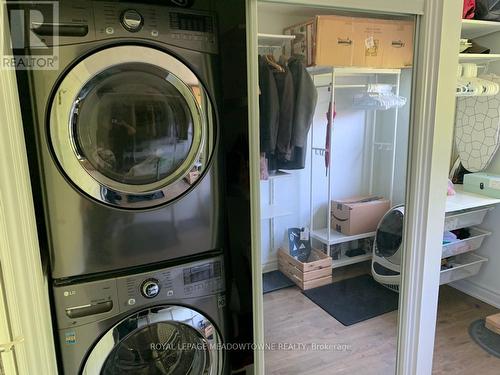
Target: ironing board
[(477, 130)]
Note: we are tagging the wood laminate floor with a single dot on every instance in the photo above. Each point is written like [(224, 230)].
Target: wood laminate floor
[(291, 318)]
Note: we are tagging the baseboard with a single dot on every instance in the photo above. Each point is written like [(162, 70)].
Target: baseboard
[(478, 291), (270, 266)]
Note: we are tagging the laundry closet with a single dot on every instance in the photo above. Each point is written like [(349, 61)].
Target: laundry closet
[(335, 223), (331, 187)]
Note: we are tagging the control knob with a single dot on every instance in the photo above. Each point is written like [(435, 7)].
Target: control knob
[(131, 20), (150, 288)]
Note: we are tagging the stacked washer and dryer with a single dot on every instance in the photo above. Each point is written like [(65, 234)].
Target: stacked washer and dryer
[(127, 146)]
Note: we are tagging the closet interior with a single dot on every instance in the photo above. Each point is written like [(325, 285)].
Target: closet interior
[(360, 151), (331, 225), (355, 152)]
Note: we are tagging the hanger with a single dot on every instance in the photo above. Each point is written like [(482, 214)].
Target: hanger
[(283, 60), (271, 61)]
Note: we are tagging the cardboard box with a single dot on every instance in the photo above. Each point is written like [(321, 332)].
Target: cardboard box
[(317, 271), (482, 183), (358, 215), (399, 47), (343, 41), (370, 40)]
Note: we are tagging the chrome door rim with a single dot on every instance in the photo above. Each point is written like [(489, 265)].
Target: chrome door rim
[(78, 168), (96, 359)]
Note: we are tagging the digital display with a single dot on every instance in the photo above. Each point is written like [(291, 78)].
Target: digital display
[(201, 273), (190, 22)]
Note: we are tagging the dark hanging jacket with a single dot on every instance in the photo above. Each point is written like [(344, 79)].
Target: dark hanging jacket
[(269, 107), (304, 105), (286, 94)]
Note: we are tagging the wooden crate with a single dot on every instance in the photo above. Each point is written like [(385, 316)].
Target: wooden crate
[(493, 323), (316, 272)]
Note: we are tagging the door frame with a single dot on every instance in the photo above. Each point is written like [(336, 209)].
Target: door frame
[(433, 115), (438, 29), (25, 286)]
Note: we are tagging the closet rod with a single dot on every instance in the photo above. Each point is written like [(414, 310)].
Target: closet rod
[(269, 46), (353, 86), (275, 36)]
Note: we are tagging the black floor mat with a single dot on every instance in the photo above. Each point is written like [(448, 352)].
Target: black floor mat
[(275, 280), (354, 300), (489, 341)]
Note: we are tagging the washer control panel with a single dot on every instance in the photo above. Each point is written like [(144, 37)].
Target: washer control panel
[(83, 303), (191, 280)]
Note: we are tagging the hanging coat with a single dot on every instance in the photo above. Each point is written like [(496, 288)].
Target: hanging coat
[(305, 99), (268, 108), (286, 94)]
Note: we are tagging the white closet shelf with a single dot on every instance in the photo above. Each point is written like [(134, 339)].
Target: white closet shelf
[(279, 174), (476, 28), (349, 71), (337, 237), (345, 261), (463, 200), (478, 58)]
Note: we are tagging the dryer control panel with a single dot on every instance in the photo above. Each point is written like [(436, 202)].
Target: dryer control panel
[(83, 303), (81, 21)]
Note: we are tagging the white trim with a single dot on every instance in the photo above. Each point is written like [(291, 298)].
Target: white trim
[(270, 266), (379, 6), (478, 291), (7, 359), (254, 163), (26, 291), (432, 130)]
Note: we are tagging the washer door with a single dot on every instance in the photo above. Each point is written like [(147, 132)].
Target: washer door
[(158, 341), (132, 127)]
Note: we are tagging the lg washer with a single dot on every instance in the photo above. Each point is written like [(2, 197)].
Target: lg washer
[(127, 136), (169, 321)]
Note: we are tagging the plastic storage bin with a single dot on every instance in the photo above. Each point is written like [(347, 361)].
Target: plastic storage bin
[(464, 219), (466, 265), (472, 243)]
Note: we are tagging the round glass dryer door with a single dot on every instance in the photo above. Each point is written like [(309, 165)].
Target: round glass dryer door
[(390, 235), (128, 124), (167, 340)]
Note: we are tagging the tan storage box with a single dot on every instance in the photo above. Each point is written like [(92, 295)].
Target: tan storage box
[(316, 272), (358, 215), (351, 41), (493, 323)]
